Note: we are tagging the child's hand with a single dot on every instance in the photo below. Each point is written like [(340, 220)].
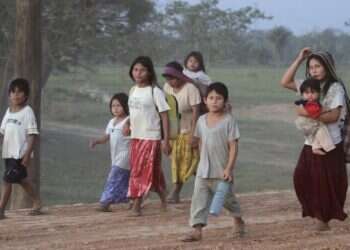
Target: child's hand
[(126, 130), (166, 148), (228, 175), (25, 160)]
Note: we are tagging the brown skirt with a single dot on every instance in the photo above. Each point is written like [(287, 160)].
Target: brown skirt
[(321, 183)]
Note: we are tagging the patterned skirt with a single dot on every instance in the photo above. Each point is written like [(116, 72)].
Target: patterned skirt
[(116, 187), (184, 159), (145, 168), (321, 183)]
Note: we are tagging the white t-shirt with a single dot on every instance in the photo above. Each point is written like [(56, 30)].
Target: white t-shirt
[(144, 117), (187, 97), (119, 144), (15, 127), (335, 98), (198, 77)]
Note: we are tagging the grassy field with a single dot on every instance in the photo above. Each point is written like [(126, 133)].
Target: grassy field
[(72, 173)]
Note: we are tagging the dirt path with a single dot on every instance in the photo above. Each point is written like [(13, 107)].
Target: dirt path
[(273, 222)]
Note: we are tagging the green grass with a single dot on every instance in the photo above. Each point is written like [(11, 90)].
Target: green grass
[(71, 173)]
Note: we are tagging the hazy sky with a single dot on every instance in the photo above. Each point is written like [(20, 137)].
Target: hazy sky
[(300, 16)]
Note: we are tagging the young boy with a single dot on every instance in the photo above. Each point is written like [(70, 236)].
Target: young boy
[(218, 136), (315, 131), (19, 130)]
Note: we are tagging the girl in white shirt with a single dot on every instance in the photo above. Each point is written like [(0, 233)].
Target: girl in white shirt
[(116, 187), (149, 134)]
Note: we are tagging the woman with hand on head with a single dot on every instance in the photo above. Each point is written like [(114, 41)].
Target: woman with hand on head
[(320, 181)]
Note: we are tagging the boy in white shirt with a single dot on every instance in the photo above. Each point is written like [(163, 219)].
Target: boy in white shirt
[(18, 131)]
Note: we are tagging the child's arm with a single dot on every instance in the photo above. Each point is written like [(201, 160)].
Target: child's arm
[(165, 122), (301, 111), (126, 128), (233, 151), (101, 140), (195, 115), (30, 146)]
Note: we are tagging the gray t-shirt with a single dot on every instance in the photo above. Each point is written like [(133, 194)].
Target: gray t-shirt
[(214, 150)]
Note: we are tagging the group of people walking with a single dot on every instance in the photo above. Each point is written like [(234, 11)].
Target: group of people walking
[(205, 145)]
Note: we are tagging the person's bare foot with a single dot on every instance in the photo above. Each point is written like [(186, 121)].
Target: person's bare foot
[(135, 213), (173, 198), (192, 237), (163, 207), (318, 151), (36, 209), (239, 227), (104, 208), (2, 215), (322, 226)]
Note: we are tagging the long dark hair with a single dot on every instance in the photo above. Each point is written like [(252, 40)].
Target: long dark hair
[(198, 56), (122, 98), (146, 62), (327, 61)]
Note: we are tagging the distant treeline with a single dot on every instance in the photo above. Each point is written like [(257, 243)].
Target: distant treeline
[(88, 32)]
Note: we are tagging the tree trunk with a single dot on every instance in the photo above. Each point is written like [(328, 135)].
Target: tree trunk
[(7, 76), (28, 65)]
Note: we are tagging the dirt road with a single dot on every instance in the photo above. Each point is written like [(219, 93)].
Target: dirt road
[(273, 222)]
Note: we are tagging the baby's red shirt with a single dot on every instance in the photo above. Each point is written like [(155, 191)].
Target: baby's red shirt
[(313, 109)]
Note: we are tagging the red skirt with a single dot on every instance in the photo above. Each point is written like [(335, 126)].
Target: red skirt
[(145, 168), (321, 183)]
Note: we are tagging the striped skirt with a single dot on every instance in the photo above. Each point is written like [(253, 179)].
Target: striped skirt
[(184, 159), (321, 183), (145, 168)]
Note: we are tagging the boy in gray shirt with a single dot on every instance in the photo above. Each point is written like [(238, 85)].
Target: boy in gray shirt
[(218, 136)]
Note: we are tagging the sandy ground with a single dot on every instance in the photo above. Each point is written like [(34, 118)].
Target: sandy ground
[(273, 222)]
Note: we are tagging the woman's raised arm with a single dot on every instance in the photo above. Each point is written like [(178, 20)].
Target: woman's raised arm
[(288, 80)]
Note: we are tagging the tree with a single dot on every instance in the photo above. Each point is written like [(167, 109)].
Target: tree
[(206, 27), (28, 65), (279, 37)]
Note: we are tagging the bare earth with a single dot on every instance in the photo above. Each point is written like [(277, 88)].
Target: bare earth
[(273, 222)]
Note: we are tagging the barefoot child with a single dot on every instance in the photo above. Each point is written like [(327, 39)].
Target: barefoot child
[(218, 136), (116, 187), (148, 119), (19, 131), (315, 131), (184, 154)]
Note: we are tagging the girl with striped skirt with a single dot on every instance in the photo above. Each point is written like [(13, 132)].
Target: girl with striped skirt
[(148, 110)]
